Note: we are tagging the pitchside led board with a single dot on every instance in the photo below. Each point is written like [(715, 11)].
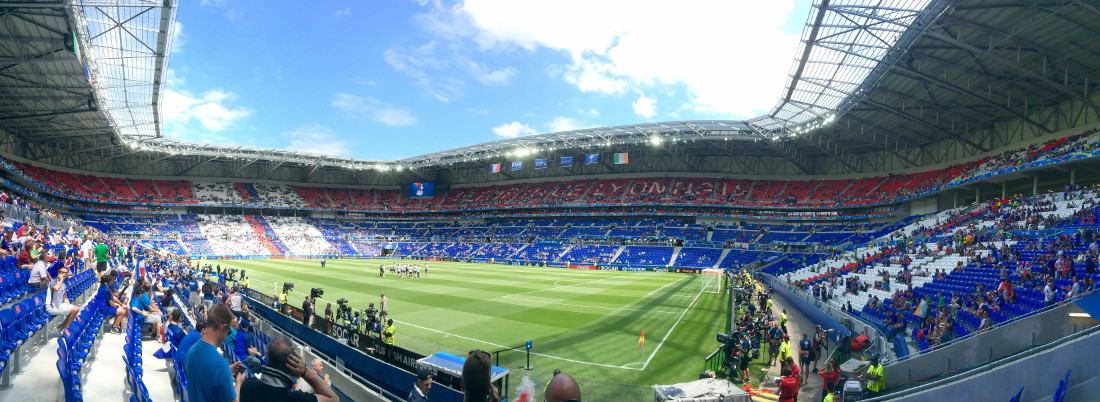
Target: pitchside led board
[(421, 190)]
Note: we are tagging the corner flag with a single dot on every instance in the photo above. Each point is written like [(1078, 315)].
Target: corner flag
[(641, 340)]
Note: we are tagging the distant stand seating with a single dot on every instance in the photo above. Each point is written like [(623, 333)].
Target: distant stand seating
[(645, 190)]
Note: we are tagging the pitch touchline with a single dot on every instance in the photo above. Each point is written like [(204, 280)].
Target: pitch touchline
[(502, 346), (587, 306)]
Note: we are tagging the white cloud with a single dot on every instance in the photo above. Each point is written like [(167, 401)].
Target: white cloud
[(418, 63), (564, 124), (645, 107), (341, 13), (486, 76), (730, 66), (211, 109), (513, 130), (373, 109), (178, 38), (317, 139)]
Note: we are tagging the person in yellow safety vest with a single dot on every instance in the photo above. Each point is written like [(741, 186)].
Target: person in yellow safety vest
[(783, 321), (876, 378), (831, 398), (388, 333), (768, 305), (785, 348)]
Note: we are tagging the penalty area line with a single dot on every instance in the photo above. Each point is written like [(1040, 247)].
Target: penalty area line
[(502, 347), (670, 331)]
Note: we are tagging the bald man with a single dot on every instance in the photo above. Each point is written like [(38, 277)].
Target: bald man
[(317, 365), (562, 388)]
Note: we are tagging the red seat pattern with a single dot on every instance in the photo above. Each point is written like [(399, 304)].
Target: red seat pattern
[(663, 190)]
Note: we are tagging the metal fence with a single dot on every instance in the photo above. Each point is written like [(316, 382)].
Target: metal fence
[(15, 212)]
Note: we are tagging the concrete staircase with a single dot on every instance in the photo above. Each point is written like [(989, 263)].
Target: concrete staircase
[(725, 252), (675, 255)]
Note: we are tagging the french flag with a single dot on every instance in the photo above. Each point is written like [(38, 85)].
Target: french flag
[(494, 168)]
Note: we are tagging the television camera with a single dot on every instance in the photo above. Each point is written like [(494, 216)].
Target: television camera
[(316, 292), (733, 345), (287, 287), (343, 311)]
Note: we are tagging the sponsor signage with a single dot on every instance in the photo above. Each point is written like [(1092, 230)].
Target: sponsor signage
[(688, 270), (571, 266), (633, 269), (608, 268), (660, 269)]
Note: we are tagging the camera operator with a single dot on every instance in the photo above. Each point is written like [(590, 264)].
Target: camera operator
[(307, 311), (775, 337), (746, 355), (370, 319), (820, 342)]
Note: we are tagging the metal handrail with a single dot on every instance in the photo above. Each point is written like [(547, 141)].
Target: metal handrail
[(991, 364)]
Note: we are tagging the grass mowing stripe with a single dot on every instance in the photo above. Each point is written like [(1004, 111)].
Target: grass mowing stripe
[(459, 306)]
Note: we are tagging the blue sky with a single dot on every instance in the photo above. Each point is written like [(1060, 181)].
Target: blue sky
[(394, 79)]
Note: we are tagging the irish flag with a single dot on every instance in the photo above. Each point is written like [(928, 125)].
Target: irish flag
[(641, 340), (621, 159)]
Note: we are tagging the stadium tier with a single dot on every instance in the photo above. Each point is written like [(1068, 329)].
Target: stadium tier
[(683, 191)]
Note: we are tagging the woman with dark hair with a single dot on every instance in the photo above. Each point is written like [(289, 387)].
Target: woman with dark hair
[(112, 306), (166, 301)]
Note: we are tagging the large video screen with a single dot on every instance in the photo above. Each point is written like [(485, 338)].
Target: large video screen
[(421, 190)]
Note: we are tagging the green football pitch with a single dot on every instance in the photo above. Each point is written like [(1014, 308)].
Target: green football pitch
[(585, 323)]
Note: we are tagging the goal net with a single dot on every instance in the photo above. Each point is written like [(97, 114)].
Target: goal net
[(711, 280)]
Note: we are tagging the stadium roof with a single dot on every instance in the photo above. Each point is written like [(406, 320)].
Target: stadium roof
[(876, 85)]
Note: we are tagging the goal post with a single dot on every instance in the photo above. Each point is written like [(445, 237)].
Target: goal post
[(711, 280)]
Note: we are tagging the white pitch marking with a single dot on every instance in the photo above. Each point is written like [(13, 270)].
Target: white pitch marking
[(670, 331), (662, 287), (587, 306), (565, 286), (502, 346)]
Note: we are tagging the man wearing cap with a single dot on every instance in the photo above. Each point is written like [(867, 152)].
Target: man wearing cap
[(785, 349), (420, 388)]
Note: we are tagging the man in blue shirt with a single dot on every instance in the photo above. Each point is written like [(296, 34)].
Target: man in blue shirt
[(143, 306), (209, 376), (189, 341)]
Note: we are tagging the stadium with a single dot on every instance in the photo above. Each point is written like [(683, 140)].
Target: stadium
[(914, 219)]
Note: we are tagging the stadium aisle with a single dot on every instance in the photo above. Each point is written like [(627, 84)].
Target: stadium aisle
[(103, 382), (39, 381), (797, 324), (156, 377)]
